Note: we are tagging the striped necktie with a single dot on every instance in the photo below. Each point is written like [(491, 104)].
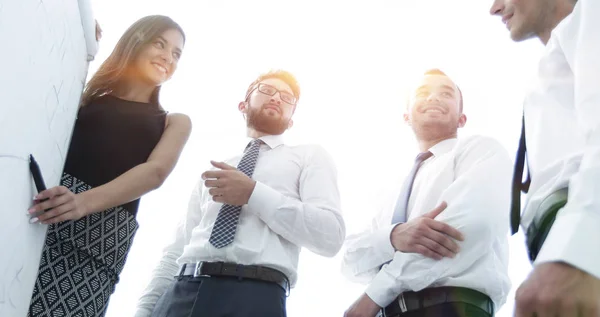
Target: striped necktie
[(225, 226)]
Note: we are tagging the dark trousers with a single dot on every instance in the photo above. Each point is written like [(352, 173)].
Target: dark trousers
[(221, 297), (448, 310)]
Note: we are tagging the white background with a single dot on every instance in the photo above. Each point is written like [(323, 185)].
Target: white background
[(354, 60)]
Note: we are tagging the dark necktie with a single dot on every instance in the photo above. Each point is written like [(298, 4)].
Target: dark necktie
[(402, 203), (518, 186), (225, 226)]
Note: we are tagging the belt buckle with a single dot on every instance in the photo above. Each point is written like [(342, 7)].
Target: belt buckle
[(287, 287), (402, 303), (198, 269)]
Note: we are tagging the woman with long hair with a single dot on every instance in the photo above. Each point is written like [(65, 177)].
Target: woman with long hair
[(123, 146)]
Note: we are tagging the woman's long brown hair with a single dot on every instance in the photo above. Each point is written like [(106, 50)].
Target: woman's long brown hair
[(111, 73)]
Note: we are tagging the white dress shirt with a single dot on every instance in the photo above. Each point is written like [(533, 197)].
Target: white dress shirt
[(473, 175), (295, 204), (562, 124)]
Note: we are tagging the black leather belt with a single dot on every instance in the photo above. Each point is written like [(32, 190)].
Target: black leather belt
[(538, 230), (413, 301), (209, 269)]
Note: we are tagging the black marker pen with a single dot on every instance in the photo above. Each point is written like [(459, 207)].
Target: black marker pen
[(40, 185), (37, 174)]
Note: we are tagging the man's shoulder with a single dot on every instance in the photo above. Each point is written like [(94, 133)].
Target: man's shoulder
[(312, 152), (478, 143), (307, 148)]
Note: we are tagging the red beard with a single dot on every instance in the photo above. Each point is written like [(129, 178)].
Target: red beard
[(256, 119)]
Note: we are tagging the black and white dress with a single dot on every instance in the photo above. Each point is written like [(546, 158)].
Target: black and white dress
[(81, 260)]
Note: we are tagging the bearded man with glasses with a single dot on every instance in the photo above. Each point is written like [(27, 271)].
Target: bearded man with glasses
[(236, 251)]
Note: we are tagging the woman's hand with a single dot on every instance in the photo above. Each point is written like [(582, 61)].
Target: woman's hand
[(59, 203)]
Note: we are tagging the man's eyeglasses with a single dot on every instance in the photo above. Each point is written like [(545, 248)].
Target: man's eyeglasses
[(271, 91)]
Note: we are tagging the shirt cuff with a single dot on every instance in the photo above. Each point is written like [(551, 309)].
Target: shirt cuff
[(574, 239), (383, 243), (264, 201), (382, 289)]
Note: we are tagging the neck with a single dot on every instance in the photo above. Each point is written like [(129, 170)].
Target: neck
[(135, 91), (252, 133), (563, 9), (426, 144)]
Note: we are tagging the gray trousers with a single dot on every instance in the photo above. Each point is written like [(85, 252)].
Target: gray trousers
[(221, 297)]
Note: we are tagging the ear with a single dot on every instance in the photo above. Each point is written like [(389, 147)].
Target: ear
[(290, 124), (243, 107), (407, 119), (462, 120)]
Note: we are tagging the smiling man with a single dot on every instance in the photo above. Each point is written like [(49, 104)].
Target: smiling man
[(560, 140), (236, 252), (440, 248)]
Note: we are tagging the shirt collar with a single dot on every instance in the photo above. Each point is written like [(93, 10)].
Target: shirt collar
[(443, 147), (272, 141)]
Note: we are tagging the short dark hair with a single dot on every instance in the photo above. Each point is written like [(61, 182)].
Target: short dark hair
[(436, 71), (282, 75)]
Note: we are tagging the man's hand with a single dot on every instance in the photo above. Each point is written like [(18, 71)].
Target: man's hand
[(59, 203), (364, 306), (228, 185), (426, 236), (557, 289)]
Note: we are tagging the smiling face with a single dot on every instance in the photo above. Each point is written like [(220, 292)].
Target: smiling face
[(146, 55), (157, 60), (528, 18), (434, 108)]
